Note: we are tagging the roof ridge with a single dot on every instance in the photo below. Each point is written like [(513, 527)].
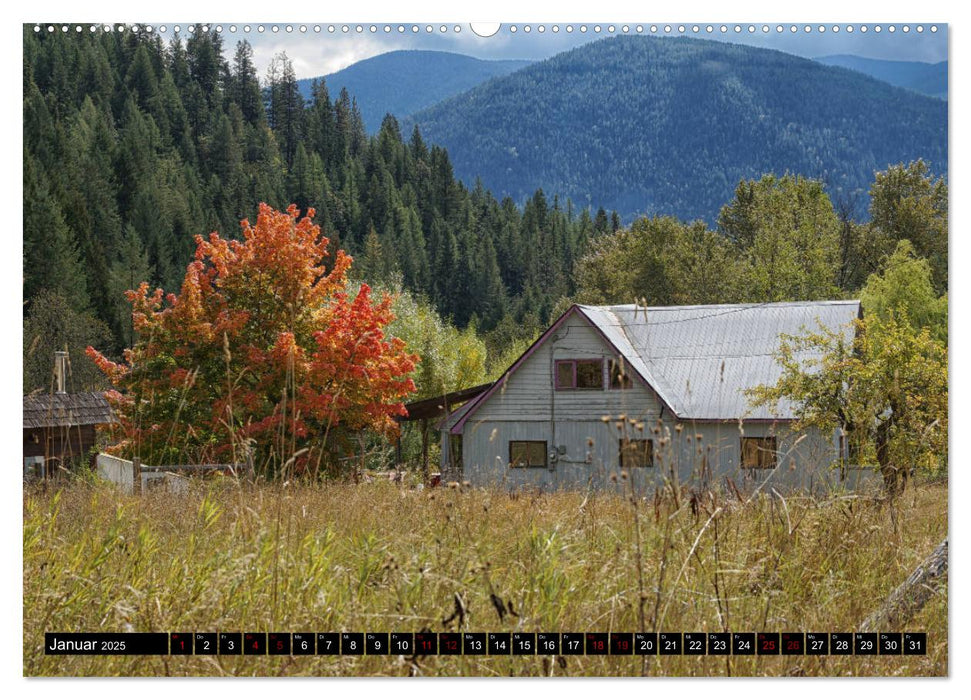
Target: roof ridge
[(741, 305)]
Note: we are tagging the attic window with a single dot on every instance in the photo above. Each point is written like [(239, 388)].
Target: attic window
[(620, 375), (758, 453), (579, 374)]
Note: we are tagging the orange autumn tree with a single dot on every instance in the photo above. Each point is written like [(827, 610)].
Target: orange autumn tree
[(263, 353)]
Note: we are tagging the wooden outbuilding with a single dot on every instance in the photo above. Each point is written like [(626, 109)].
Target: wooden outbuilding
[(60, 428)]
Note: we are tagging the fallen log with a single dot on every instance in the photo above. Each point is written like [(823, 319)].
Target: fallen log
[(912, 595)]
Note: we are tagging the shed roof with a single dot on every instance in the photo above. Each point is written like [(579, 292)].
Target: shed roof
[(449, 421), (64, 410), (701, 359), (437, 406)]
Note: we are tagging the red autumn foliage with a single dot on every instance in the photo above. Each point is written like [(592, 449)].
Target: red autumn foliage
[(263, 350)]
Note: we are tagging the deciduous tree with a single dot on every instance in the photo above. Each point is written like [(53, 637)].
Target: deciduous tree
[(906, 202), (264, 350), (886, 390)]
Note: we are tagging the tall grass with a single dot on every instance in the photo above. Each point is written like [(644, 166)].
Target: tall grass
[(377, 557)]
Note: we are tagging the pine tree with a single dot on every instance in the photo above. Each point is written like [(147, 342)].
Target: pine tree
[(490, 296), (321, 127), (245, 88), (89, 196), (128, 270), (52, 259), (600, 224), (206, 64), (285, 106), (141, 80)]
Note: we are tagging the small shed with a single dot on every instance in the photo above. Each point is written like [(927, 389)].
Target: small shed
[(59, 428)]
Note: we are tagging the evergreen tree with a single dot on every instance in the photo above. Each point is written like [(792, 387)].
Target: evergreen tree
[(285, 106), (141, 80), (52, 259), (489, 294), (321, 127), (245, 88), (207, 67), (129, 269), (86, 182), (600, 224)]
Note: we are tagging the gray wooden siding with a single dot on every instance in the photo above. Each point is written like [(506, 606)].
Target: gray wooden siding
[(699, 454), (529, 392)]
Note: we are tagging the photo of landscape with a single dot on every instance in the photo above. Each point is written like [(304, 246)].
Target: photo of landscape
[(429, 351)]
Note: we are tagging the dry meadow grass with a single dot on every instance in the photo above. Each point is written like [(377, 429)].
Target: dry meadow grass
[(377, 557)]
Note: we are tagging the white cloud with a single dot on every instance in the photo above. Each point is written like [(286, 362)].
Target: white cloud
[(312, 54)]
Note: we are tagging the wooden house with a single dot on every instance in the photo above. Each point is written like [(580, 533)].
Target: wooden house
[(611, 393), (60, 427)]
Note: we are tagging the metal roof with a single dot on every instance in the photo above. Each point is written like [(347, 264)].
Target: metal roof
[(65, 410), (701, 359)]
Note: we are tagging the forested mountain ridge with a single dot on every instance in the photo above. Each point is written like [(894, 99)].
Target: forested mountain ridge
[(670, 125), (927, 78), (133, 146), (403, 82)]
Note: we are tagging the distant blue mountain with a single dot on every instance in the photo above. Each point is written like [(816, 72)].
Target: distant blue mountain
[(403, 82), (927, 78), (648, 125)]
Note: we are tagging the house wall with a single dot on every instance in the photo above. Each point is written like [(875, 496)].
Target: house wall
[(699, 454), (64, 444), (528, 393)]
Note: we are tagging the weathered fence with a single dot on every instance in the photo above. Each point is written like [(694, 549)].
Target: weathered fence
[(118, 471), (130, 476), (926, 581)]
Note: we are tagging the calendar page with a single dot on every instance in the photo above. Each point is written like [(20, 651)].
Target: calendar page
[(438, 349)]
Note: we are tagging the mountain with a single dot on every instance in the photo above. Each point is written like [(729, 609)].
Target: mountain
[(670, 125), (927, 78), (403, 82)]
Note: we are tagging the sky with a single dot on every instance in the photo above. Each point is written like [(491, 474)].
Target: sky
[(321, 53)]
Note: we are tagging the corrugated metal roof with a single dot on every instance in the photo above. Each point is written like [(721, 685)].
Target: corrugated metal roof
[(64, 410), (701, 359)]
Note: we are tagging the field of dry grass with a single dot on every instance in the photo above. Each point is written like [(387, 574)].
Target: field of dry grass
[(376, 557)]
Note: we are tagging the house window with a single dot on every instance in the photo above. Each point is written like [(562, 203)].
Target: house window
[(850, 451), (620, 377), (636, 453), (758, 453), (579, 374), (455, 452), (527, 453)]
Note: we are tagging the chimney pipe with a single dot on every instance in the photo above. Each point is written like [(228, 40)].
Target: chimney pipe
[(60, 370)]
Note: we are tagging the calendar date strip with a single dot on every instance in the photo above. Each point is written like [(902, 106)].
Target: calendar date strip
[(486, 643)]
